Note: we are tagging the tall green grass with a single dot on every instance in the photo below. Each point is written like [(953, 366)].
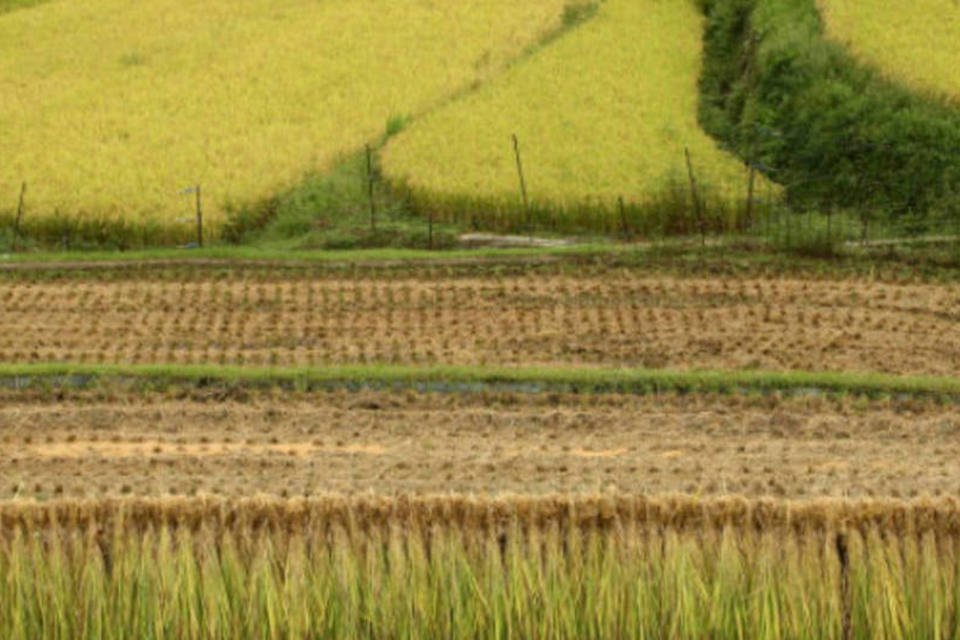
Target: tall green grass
[(521, 572)]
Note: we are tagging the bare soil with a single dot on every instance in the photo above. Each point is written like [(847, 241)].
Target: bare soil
[(93, 445)]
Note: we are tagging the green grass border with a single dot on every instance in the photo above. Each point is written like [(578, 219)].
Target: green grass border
[(466, 378), (254, 254)]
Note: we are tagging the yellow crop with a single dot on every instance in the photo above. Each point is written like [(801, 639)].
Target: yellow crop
[(109, 108), (603, 112), (916, 42)]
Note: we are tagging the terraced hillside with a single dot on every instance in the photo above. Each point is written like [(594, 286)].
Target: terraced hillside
[(663, 439)]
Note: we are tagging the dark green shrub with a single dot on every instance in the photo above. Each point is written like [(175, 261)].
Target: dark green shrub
[(829, 129)]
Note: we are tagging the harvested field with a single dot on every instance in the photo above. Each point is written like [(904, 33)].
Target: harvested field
[(296, 445), (606, 317)]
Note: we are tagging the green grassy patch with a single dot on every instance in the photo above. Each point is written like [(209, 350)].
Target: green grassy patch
[(465, 378), (726, 257), (348, 208), (13, 5)]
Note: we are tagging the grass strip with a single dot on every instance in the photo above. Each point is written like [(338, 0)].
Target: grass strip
[(727, 255), (240, 253), (464, 378)]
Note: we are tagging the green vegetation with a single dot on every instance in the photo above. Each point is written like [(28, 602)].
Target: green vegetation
[(833, 132), (784, 252), (467, 378), (333, 212), (13, 5), (872, 158)]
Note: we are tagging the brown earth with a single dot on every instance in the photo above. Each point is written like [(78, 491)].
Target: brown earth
[(613, 317), (390, 442)]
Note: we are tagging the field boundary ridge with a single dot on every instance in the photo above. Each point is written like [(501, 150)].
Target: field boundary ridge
[(459, 379)]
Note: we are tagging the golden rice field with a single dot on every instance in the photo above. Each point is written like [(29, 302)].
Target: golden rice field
[(604, 112), (917, 43), (109, 109)]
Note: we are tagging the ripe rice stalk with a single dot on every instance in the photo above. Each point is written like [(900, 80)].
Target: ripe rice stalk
[(590, 567)]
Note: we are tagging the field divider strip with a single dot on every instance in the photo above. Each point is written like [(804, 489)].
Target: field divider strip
[(451, 378), (246, 256)]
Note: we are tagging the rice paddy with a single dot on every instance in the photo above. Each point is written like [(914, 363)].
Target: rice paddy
[(604, 113), (547, 316), (917, 43), (110, 110)]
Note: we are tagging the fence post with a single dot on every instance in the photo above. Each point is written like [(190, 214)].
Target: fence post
[(696, 198), (430, 230), (199, 218), (370, 179), (16, 221), (523, 185), (623, 218)]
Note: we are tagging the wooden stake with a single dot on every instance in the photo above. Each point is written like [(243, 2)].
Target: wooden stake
[(696, 198), (846, 593), (199, 218), (623, 218), (430, 230), (523, 184), (370, 179), (16, 222), (751, 181)]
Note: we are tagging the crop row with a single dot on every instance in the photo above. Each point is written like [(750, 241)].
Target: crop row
[(535, 320), (298, 444)]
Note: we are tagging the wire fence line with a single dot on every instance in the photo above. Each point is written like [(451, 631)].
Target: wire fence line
[(687, 205)]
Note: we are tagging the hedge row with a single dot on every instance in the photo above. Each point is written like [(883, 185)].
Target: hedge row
[(830, 129)]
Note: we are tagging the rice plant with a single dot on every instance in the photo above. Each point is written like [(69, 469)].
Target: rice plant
[(110, 109), (461, 568)]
